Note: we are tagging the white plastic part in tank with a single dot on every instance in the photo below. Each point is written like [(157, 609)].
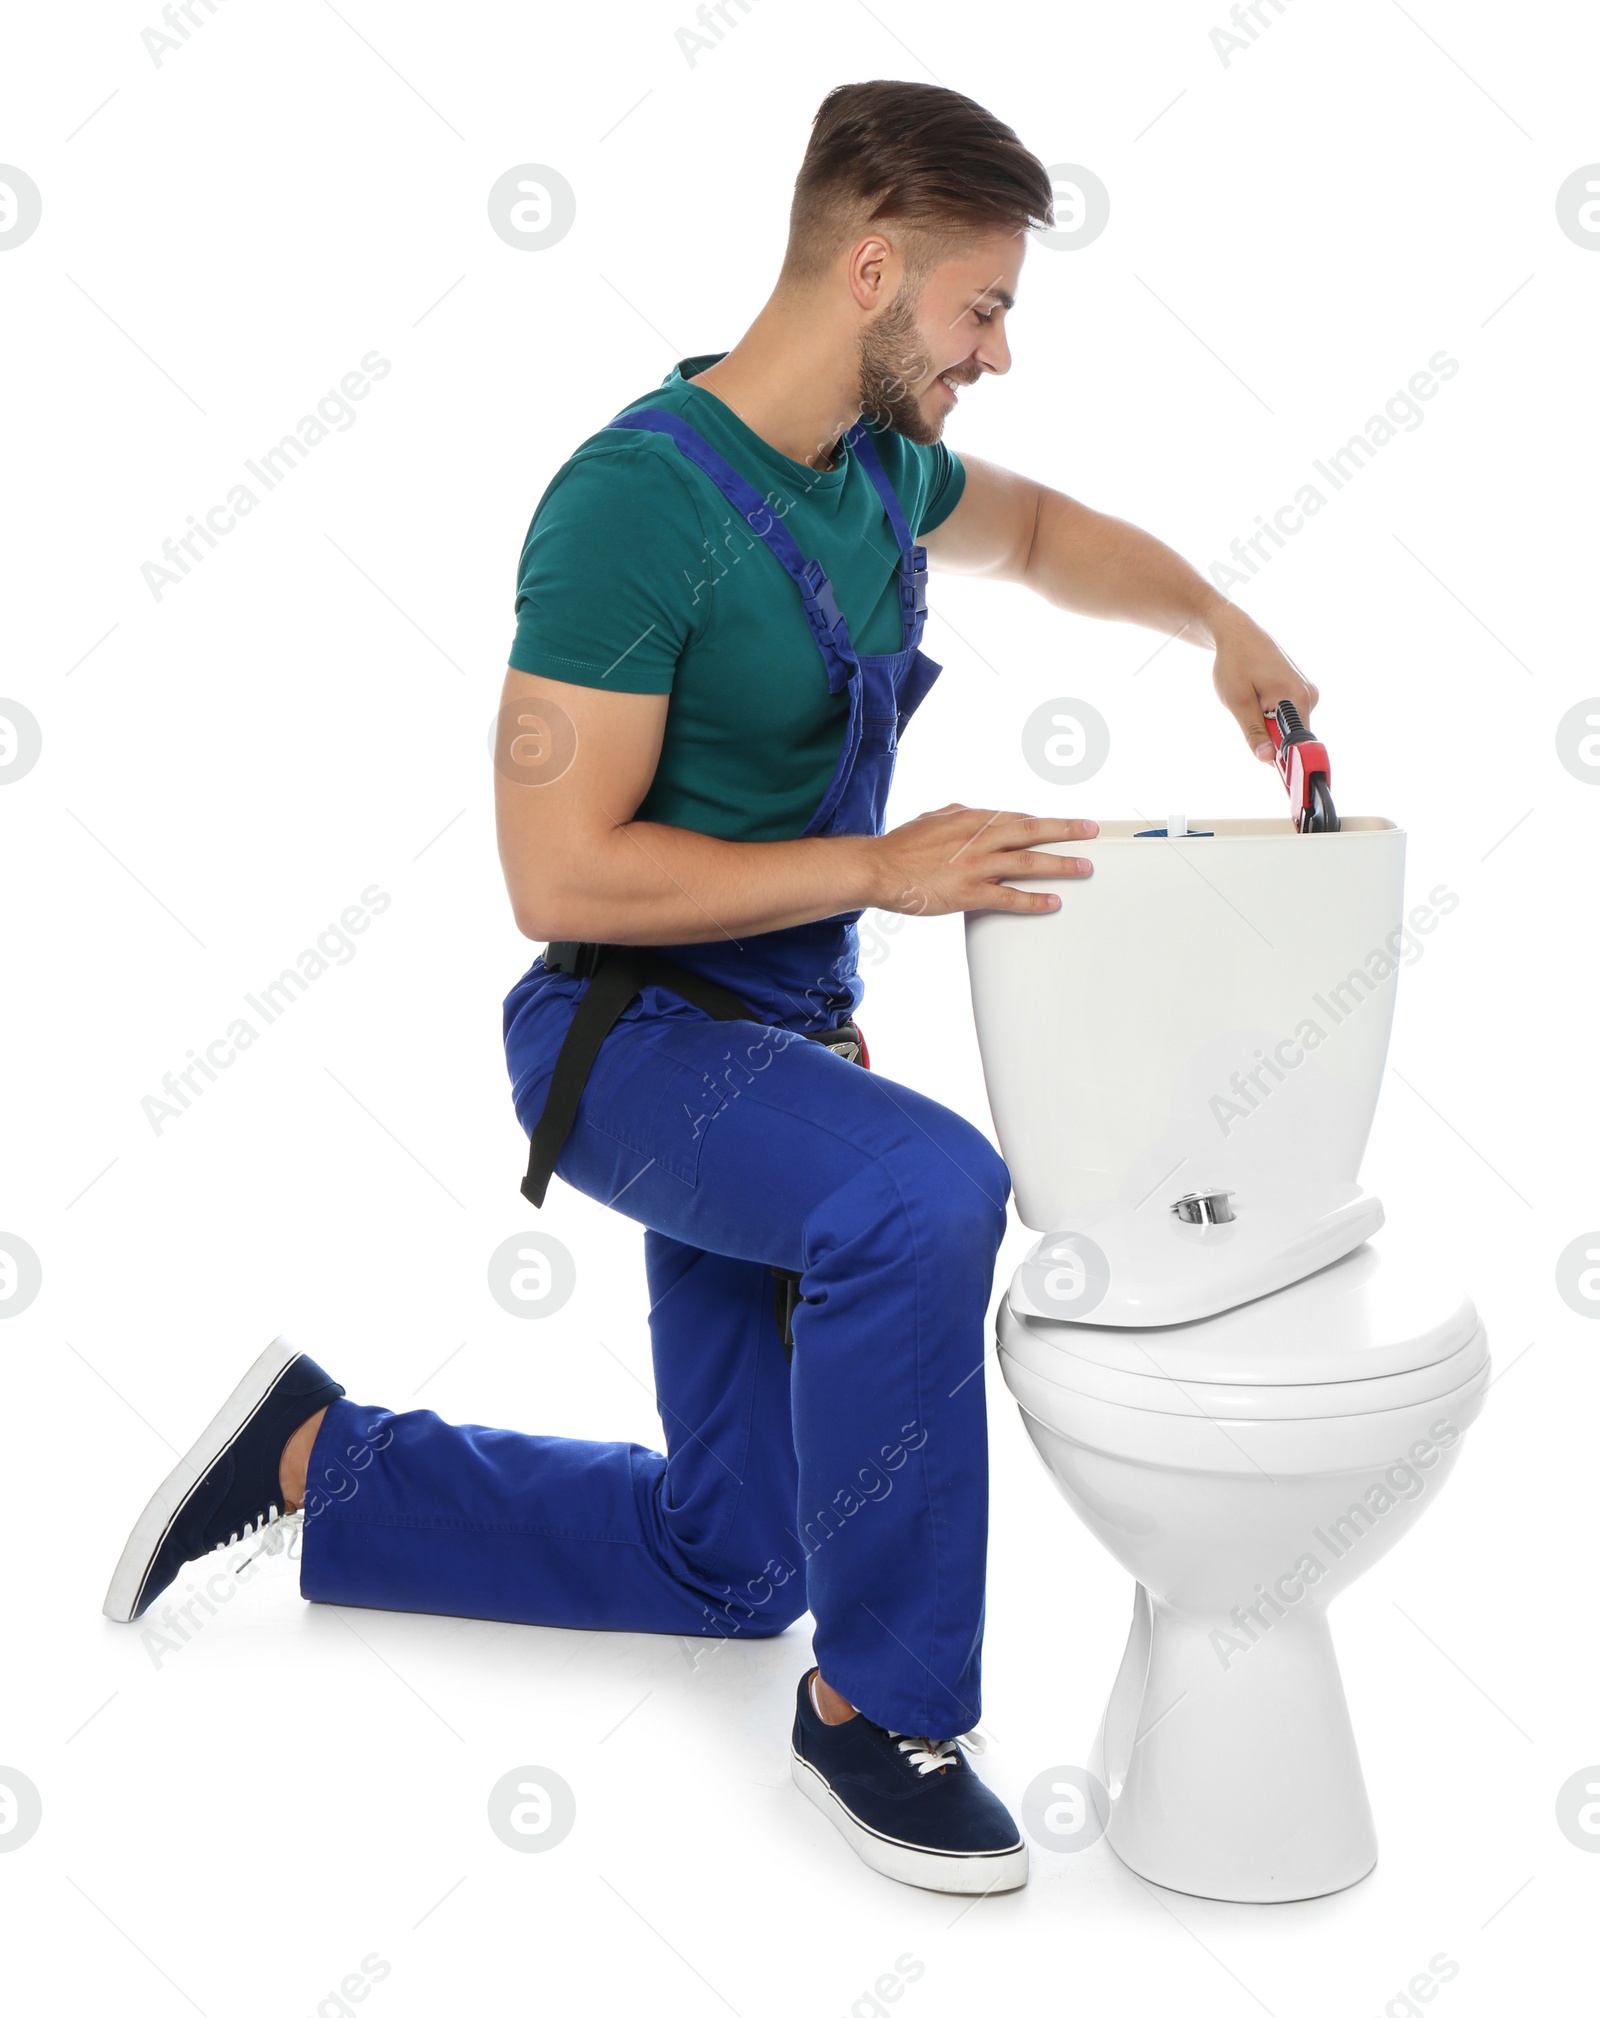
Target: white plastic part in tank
[(1206, 1014)]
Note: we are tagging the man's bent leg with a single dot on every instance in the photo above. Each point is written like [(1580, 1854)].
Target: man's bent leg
[(749, 1151), (892, 1208), (410, 1513), (890, 1424), (725, 1497), (406, 1512)]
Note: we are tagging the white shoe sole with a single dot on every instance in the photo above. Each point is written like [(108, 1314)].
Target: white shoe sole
[(171, 1496), (933, 1870)]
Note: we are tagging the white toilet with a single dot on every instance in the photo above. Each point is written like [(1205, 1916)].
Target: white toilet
[(1245, 1400)]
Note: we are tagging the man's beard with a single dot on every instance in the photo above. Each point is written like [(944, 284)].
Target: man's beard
[(894, 370)]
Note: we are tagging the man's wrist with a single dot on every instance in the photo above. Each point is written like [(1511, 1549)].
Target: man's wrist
[(865, 884), (1217, 618)]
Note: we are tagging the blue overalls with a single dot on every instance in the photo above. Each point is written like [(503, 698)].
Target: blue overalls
[(852, 1482)]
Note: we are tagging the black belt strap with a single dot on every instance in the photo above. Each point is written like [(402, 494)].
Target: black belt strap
[(615, 975), (618, 974)]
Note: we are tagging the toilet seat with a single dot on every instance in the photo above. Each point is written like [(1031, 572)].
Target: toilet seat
[(1368, 1333)]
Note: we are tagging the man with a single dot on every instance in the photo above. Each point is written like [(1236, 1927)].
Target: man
[(718, 645)]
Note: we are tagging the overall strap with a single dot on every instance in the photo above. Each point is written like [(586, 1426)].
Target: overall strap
[(913, 558), (860, 439), (827, 623)]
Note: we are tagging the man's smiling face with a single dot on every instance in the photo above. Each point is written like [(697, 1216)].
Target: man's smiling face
[(917, 354)]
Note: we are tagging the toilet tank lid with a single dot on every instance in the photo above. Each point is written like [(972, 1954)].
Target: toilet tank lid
[(1368, 1314)]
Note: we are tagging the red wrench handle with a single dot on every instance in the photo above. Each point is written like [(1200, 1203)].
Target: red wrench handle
[(1300, 759)]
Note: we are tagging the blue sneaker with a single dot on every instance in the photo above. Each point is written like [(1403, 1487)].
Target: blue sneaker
[(226, 1486), (912, 1808)]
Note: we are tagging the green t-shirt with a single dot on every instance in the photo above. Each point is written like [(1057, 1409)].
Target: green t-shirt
[(637, 575)]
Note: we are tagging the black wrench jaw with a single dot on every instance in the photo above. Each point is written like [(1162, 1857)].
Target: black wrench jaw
[(1320, 817)]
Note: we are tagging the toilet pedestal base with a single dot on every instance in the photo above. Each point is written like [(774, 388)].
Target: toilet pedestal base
[(1233, 1772)]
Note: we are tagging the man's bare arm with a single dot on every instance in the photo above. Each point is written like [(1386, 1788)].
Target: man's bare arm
[(1010, 528), (579, 865)]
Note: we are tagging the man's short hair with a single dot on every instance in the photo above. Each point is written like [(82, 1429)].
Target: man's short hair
[(915, 156)]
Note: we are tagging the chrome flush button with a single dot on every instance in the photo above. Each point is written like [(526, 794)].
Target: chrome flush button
[(1204, 1208)]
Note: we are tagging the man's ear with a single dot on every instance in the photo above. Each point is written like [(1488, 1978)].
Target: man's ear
[(870, 271)]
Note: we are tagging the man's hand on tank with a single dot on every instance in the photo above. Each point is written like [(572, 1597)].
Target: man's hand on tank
[(959, 857), (1252, 674)]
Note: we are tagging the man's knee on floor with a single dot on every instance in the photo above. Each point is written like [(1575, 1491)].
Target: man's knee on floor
[(756, 1607)]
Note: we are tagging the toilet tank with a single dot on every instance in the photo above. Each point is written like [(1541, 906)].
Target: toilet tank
[(1204, 1013)]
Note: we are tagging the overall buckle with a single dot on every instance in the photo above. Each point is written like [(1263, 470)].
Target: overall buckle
[(919, 581), (578, 957), (820, 600)]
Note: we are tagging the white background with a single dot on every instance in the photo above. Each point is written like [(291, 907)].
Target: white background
[(1293, 234)]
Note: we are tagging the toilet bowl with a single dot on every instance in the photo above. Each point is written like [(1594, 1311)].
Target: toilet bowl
[(1245, 1469)]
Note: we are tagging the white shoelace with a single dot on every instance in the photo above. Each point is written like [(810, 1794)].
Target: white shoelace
[(278, 1531), (932, 1755), (928, 1755)]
